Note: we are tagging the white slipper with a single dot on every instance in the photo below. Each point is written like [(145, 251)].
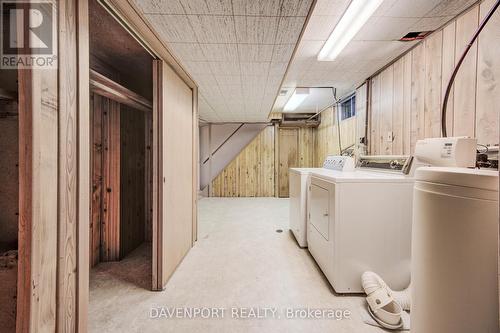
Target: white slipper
[(384, 309), (372, 281)]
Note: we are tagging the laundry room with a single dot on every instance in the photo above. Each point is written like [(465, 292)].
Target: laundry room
[(250, 166)]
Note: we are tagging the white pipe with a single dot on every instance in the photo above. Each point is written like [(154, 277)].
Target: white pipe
[(372, 281)]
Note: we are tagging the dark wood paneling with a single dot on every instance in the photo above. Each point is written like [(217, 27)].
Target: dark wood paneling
[(9, 175), (148, 177), (132, 179), (97, 180), (110, 230)]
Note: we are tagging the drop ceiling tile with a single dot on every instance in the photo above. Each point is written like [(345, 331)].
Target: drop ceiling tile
[(228, 80), (283, 52), (254, 69), (295, 7), (256, 7), (411, 8), (160, 7), (384, 7), (187, 52), (273, 82), (225, 68), (322, 66), (206, 81), (308, 50), (197, 67), (173, 28), (378, 50), (219, 52), (319, 28), (430, 23), (232, 93), (255, 52), (207, 7), (277, 68), (386, 28), (450, 7), (256, 30), (330, 7), (213, 29), (289, 29)]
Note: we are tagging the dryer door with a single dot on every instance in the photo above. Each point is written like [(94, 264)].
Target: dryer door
[(319, 209)]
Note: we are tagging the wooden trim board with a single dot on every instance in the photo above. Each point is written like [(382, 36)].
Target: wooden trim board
[(104, 86)]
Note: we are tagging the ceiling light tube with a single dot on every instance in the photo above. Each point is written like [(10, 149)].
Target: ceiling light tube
[(298, 96), (356, 15)]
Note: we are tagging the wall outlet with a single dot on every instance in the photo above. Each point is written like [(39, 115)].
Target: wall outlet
[(389, 137)]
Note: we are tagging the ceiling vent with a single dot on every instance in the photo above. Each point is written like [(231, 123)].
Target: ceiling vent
[(418, 35)]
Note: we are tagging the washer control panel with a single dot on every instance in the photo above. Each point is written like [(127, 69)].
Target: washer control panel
[(339, 163)]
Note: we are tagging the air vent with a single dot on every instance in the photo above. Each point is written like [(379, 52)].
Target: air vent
[(411, 36)]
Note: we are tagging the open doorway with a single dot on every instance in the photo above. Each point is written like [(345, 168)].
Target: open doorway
[(121, 105), (9, 197)]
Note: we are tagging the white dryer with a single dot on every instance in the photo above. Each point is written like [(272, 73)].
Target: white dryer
[(298, 185), (361, 221)]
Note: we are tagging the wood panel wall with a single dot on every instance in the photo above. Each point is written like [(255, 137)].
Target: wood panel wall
[(261, 168), (406, 97), (54, 183), (132, 179), (148, 177), (361, 125), (251, 173), (288, 157), (326, 139), (110, 230), (9, 177)]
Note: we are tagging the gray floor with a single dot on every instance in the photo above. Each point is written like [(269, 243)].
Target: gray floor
[(239, 261)]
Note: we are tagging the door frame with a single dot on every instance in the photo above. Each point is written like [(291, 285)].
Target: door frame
[(56, 181)]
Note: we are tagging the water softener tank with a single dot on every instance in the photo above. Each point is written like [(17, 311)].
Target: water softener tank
[(455, 251)]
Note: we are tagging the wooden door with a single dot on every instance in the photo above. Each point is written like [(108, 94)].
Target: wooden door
[(177, 171), (288, 157), (173, 177)]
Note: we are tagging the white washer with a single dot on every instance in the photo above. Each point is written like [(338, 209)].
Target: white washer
[(361, 221), (298, 184)]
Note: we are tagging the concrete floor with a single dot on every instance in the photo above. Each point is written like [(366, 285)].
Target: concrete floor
[(239, 261)]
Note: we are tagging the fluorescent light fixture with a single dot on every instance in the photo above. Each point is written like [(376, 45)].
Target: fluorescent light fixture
[(356, 15), (298, 96)]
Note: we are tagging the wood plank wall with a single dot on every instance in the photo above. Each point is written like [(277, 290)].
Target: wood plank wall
[(361, 125), (54, 183), (261, 168), (406, 97), (9, 177), (251, 173), (97, 179), (148, 178), (326, 139), (132, 179), (105, 222)]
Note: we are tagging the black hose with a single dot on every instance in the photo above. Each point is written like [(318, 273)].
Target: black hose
[(459, 63)]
